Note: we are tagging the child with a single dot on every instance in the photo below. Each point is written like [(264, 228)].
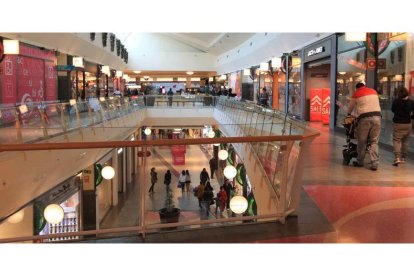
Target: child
[(217, 199)]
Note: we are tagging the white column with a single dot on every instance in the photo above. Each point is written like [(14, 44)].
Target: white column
[(129, 164), (115, 179), (124, 178)]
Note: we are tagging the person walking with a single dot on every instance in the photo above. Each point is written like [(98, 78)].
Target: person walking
[(368, 112), (199, 193), (264, 97), (228, 189), (181, 181), (170, 94), (154, 179), (187, 180), (403, 109), (208, 196), (213, 166), (204, 177), (167, 179)]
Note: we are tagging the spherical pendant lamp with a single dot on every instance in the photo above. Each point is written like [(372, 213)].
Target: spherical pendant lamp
[(147, 131), (108, 172), (223, 154), (230, 171), (53, 213), (211, 134), (17, 217), (238, 204)]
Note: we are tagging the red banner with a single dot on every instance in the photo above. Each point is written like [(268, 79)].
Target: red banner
[(31, 80), (326, 105), (8, 80), (315, 105), (28, 77)]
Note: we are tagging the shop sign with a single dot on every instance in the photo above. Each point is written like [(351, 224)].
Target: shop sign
[(316, 51), (381, 63), (61, 192), (65, 67)]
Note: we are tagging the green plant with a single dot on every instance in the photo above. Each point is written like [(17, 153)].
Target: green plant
[(169, 200)]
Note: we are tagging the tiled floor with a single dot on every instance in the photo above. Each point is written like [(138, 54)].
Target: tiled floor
[(340, 204)]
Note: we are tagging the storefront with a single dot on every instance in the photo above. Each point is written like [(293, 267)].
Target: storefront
[(67, 196), (29, 76), (393, 68), (318, 81)]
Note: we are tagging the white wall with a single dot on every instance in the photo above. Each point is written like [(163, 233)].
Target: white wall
[(263, 47), (23, 228)]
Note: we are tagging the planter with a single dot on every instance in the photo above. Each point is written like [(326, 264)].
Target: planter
[(169, 216)]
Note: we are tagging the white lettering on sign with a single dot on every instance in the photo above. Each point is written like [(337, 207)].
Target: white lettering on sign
[(316, 51)]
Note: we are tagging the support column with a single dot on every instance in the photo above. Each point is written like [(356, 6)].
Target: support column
[(115, 179), (89, 202)]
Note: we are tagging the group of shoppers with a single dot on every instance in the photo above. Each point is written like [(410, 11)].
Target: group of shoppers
[(365, 102)]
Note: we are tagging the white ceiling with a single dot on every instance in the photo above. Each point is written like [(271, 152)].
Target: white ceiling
[(213, 43)]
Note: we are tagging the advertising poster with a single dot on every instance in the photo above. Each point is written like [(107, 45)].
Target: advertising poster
[(315, 105), (326, 105)]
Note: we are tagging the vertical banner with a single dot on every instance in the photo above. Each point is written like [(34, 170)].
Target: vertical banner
[(315, 104), (8, 79), (50, 79), (275, 89), (31, 76), (326, 105)]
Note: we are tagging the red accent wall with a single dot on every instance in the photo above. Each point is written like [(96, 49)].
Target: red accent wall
[(29, 77)]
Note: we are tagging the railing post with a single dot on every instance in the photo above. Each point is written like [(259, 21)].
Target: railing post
[(19, 135), (62, 117), (43, 122)]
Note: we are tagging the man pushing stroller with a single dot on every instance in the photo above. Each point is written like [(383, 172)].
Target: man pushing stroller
[(368, 112)]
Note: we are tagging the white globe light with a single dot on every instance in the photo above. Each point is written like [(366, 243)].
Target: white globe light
[(147, 131), (54, 213), (230, 171), (17, 217), (216, 145), (211, 134), (238, 204), (108, 172), (223, 154)]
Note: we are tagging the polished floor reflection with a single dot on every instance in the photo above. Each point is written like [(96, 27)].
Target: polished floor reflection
[(340, 204)]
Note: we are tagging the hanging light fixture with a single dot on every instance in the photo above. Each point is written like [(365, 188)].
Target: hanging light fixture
[(264, 66), (77, 62), (11, 47), (105, 70), (147, 131), (16, 217), (223, 154), (276, 62), (211, 133), (53, 213), (238, 204), (355, 36), (230, 171), (108, 172)]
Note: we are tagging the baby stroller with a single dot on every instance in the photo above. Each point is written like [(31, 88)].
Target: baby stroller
[(350, 149)]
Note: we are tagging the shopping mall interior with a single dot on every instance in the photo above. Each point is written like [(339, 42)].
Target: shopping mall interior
[(201, 137)]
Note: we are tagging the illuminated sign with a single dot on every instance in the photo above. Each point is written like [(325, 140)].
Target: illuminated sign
[(316, 51)]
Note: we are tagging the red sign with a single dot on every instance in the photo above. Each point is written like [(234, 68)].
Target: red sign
[(315, 105), (382, 63), (326, 105), (371, 63), (29, 77)]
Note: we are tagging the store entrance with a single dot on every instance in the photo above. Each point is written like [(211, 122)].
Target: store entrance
[(317, 87)]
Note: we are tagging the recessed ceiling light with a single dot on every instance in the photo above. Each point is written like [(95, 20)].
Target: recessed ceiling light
[(137, 72), (189, 72)]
